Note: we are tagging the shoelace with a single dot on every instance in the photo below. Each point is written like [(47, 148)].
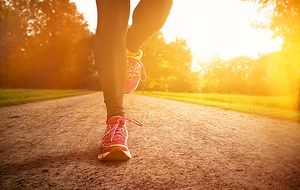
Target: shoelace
[(116, 131), (133, 70)]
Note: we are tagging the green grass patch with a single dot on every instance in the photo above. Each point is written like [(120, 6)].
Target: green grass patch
[(9, 97), (274, 106)]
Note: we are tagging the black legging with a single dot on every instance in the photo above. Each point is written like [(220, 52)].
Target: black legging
[(111, 42)]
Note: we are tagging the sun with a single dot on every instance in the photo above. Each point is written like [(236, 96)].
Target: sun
[(221, 27)]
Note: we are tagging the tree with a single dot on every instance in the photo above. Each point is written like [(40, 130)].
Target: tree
[(56, 30), (285, 22), (38, 44), (168, 65), (257, 79), (239, 75), (209, 74), (180, 58), (13, 39)]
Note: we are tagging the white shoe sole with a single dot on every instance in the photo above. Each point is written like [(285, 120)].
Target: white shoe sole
[(115, 154)]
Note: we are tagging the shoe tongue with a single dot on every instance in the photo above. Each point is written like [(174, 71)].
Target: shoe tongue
[(114, 120)]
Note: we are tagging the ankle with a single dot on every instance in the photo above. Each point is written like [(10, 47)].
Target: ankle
[(137, 55)]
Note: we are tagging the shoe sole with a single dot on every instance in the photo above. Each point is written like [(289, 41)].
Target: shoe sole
[(115, 154)]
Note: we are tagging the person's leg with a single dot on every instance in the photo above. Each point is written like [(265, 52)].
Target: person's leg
[(148, 18), (110, 52)]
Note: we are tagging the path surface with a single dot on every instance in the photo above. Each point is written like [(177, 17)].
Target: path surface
[(54, 145)]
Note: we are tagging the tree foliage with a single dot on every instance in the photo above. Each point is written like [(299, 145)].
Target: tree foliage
[(168, 65), (285, 23), (46, 44), (277, 73), (41, 43), (239, 75), (249, 76)]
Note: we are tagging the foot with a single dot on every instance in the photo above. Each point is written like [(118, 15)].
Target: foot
[(114, 142), (135, 68), (138, 55)]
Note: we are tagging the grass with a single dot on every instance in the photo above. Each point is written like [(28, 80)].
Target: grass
[(283, 107), (10, 97), (274, 106)]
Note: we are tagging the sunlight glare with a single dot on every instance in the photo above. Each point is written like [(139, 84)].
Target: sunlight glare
[(209, 27)]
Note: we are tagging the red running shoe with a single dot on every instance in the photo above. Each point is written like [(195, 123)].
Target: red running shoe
[(114, 142), (135, 68)]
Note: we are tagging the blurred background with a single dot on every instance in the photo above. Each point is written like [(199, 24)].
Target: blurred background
[(227, 47)]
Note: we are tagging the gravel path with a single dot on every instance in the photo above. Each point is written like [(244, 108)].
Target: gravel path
[(54, 145)]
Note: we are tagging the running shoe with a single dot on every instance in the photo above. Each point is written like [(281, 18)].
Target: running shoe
[(114, 142), (135, 68)]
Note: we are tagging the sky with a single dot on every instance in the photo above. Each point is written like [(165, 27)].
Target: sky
[(210, 27)]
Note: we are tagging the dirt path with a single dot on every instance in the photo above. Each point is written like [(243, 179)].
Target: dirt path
[(54, 145)]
